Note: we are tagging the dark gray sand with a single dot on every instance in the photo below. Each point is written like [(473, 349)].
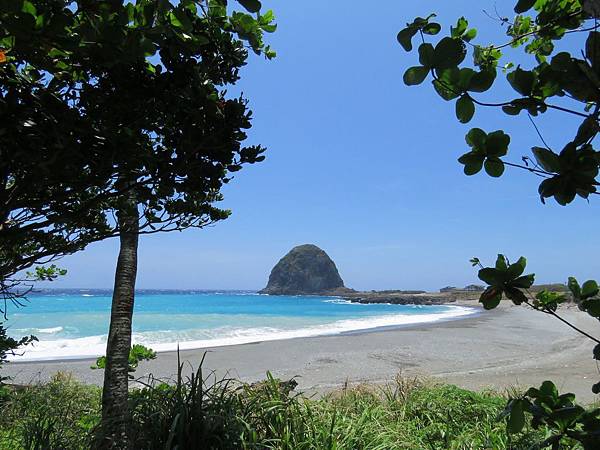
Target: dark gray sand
[(507, 347)]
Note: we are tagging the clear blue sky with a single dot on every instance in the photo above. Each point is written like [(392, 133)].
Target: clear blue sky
[(366, 168)]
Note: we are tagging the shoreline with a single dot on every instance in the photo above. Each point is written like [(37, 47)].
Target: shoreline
[(474, 311), (508, 347)]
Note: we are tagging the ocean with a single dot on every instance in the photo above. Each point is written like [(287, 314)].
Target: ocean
[(74, 323)]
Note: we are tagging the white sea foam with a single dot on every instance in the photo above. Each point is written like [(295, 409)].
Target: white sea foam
[(168, 340), (340, 301), (52, 330)]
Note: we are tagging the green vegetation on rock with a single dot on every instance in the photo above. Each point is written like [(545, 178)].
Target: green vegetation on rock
[(305, 269)]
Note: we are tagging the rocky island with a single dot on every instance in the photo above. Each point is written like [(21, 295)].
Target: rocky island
[(305, 270), (308, 270)]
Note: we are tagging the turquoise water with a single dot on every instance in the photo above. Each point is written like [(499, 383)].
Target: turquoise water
[(74, 324)]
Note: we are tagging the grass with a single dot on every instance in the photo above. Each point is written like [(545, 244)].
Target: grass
[(60, 414), (201, 412)]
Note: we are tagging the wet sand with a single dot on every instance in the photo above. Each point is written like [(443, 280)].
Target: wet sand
[(508, 347)]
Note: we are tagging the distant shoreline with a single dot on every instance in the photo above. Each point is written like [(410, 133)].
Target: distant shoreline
[(473, 312), (508, 347)]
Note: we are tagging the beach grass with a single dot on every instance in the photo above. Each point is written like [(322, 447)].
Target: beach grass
[(202, 412)]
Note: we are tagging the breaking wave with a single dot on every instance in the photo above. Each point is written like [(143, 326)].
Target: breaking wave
[(169, 340)]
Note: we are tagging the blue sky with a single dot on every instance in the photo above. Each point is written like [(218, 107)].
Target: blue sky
[(366, 168)]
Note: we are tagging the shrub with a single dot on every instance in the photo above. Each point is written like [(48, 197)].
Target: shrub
[(57, 415), (137, 354), (201, 411)]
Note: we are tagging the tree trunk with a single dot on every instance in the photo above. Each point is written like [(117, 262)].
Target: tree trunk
[(115, 412)]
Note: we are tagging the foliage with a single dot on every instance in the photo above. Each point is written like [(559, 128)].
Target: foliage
[(504, 278), (60, 414), (137, 354), (204, 412), (119, 124), (100, 98), (558, 413), (559, 81)]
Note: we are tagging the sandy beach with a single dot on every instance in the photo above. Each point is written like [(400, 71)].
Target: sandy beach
[(510, 346)]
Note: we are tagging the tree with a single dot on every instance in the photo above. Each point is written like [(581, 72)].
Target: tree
[(561, 82), (152, 134)]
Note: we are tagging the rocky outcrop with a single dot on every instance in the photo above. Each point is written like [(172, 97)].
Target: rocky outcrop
[(305, 270), (402, 299)]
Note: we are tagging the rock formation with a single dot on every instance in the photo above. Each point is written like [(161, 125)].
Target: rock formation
[(305, 270)]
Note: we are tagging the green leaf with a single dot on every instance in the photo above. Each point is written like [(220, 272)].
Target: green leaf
[(496, 143), (432, 28), (415, 75), (588, 129), (522, 81), (29, 8), (501, 263), (567, 415), (490, 298), (511, 110), (448, 83), (482, 80), (589, 289), (561, 62), (473, 163), (592, 307), (517, 269), (449, 53), (516, 418), (470, 35), (547, 159), (426, 55), (405, 38), (592, 49), (465, 109), (147, 46), (524, 6), (476, 138), (516, 295), (491, 276), (573, 286), (548, 300), (523, 282), (549, 388), (461, 27), (179, 19), (252, 6), (486, 57), (267, 18), (465, 76)]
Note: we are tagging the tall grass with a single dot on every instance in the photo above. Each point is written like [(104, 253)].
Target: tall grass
[(202, 412), (60, 414)]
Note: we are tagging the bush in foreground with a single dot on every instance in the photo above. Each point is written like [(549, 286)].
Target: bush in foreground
[(201, 412)]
